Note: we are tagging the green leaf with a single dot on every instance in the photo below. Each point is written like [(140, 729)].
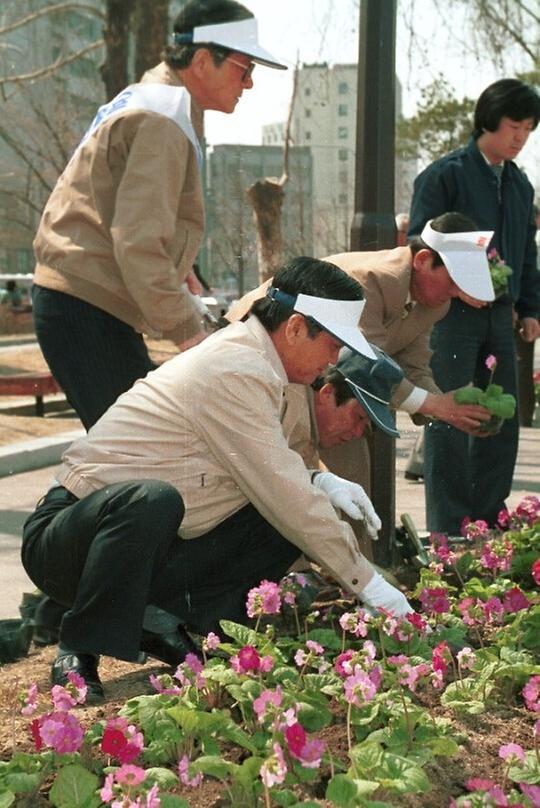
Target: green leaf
[(248, 772), (402, 775), (22, 782), (240, 634), (75, 787), (285, 798), (467, 395), (342, 791), (172, 801), (213, 766), (164, 778), (464, 564), (7, 798), (326, 637), (313, 713)]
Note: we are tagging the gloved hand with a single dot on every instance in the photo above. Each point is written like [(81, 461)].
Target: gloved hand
[(351, 498), (379, 593)]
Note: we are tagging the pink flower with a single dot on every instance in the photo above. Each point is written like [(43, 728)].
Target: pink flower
[(295, 735), (496, 556), (267, 699), (512, 752), (435, 600), (417, 621), (152, 799), (122, 740), (358, 688), (531, 694), (267, 663), (493, 610), (183, 774), (129, 775), (340, 664), (472, 611), (466, 658), (30, 700), (274, 769), (478, 529), (163, 684), (311, 754), (535, 571), (514, 600), (314, 647), (479, 784), (503, 518), (528, 509), (491, 363), (63, 698), (355, 622), (532, 792), (62, 731), (211, 642), (249, 659), (263, 599), (107, 793)]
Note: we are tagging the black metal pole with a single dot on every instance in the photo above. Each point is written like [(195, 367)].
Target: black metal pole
[(373, 226)]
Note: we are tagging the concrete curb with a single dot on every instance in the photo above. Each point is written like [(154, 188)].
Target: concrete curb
[(35, 454)]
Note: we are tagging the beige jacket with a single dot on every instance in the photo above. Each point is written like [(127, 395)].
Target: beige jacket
[(388, 321), (208, 422), (124, 223)]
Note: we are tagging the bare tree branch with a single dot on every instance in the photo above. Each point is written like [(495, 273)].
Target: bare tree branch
[(46, 71), (21, 152), (45, 12)]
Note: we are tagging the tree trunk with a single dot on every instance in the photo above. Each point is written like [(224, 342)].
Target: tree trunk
[(152, 25), (114, 71), (266, 197)]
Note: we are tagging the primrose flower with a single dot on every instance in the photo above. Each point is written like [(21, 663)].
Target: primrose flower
[(189, 672), (248, 659), (63, 698), (408, 674), (311, 753), (470, 529), (440, 657), (466, 658), (29, 700), (355, 622), (496, 556), (129, 775), (341, 663), (515, 600), (274, 769), (269, 701), (528, 509), (358, 688), (535, 571), (183, 774), (164, 684), (211, 642), (531, 694), (472, 611), (435, 600), (122, 740), (61, 731), (512, 752), (295, 735), (532, 792), (263, 599), (491, 363), (493, 610)]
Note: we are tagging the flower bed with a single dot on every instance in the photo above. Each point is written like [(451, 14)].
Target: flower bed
[(334, 707)]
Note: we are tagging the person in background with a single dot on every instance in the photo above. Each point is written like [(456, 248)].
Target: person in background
[(185, 494), (463, 475)]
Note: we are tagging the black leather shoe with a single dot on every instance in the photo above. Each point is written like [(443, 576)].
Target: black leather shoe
[(170, 648), (410, 475), (86, 665)]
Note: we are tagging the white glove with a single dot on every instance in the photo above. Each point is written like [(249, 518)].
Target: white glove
[(379, 593), (351, 498)]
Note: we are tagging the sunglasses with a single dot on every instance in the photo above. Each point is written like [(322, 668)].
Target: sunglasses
[(247, 71)]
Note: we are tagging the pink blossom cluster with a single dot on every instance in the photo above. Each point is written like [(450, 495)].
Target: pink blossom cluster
[(183, 773), (291, 586), (311, 656), (440, 549), (441, 656), (472, 529), (263, 599), (189, 674), (65, 697), (531, 694), (249, 660), (60, 730), (125, 788), (494, 794), (497, 556), (434, 600), (526, 513), (409, 675), (356, 622)]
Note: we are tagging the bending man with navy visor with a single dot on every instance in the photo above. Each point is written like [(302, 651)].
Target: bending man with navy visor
[(186, 494)]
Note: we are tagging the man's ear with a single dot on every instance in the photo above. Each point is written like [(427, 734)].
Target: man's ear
[(423, 260), (296, 328), (200, 61), (326, 391)]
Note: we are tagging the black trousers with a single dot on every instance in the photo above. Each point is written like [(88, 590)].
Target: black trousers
[(93, 356), (111, 553)]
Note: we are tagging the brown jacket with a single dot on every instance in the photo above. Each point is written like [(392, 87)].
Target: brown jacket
[(124, 223)]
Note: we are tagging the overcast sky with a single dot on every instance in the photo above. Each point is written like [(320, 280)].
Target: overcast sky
[(327, 30)]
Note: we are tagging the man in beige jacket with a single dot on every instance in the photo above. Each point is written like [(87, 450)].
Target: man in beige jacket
[(123, 226), (196, 450)]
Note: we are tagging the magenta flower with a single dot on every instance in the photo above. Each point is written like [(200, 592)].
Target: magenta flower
[(535, 571), (30, 699), (274, 769), (435, 600), (503, 518), (311, 753), (478, 529), (528, 509), (163, 684), (493, 610), (64, 698), (532, 792), (512, 752), (491, 363), (531, 694), (248, 659), (496, 556), (440, 657), (472, 611), (358, 688), (341, 663), (122, 740), (514, 600), (263, 599), (295, 735), (479, 784), (61, 731), (183, 774), (417, 621)]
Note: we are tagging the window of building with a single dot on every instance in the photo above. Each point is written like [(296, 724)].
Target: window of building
[(307, 136), (342, 132), (307, 91), (342, 110), (343, 154), (307, 113), (343, 177), (342, 199), (343, 88)]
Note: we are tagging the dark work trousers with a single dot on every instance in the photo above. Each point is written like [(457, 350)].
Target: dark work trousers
[(93, 356), (466, 476), (111, 553)]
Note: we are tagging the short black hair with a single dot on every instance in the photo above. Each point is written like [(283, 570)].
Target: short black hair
[(445, 223), (202, 12), (342, 391), (508, 98), (308, 276)]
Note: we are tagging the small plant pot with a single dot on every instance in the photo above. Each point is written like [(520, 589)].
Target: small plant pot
[(493, 426), (15, 639)]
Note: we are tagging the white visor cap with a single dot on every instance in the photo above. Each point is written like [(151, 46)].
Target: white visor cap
[(464, 256), (337, 317), (240, 36)]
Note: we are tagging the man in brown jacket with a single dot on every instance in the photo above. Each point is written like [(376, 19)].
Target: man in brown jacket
[(123, 226)]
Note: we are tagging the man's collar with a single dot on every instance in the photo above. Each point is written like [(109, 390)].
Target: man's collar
[(255, 327)]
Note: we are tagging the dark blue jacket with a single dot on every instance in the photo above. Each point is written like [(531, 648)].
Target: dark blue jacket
[(462, 181)]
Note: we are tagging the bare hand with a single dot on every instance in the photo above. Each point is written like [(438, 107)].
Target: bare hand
[(466, 417), (529, 329)]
